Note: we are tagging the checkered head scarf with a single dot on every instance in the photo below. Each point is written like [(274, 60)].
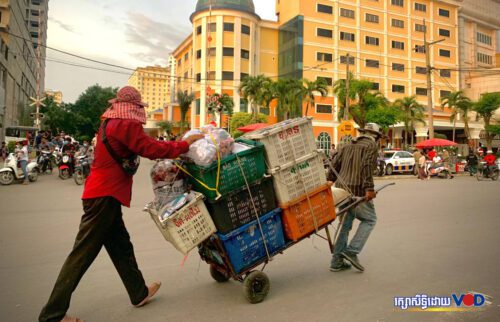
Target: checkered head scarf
[(126, 105)]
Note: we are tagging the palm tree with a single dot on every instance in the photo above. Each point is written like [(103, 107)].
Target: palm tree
[(459, 104), (412, 112), (251, 88), (486, 108), (314, 87), (289, 93), (184, 99)]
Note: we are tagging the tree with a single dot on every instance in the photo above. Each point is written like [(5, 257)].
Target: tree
[(312, 88), (459, 104), (165, 126), (289, 93), (485, 108), (57, 118), (184, 99), (253, 88), (243, 119), (385, 116), (411, 113), (221, 104)]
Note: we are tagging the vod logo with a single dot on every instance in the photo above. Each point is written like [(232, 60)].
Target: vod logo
[(468, 300)]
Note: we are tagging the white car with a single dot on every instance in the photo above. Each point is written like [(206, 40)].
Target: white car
[(398, 161)]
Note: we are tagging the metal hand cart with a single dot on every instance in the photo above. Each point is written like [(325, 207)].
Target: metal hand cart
[(256, 284)]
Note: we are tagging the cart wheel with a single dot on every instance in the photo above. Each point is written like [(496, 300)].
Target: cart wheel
[(256, 286), (217, 275)]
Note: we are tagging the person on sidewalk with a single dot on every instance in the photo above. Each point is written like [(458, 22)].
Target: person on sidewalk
[(22, 153), (120, 141), (354, 164)]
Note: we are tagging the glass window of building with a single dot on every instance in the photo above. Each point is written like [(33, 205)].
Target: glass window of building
[(198, 54), (212, 27), (211, 52), (444, 32), (420, 7), (399, 3), (371, 18), (398, 44), (374, 41), (228, 26), (445, 73), (397, 23), (327, 80), (198, 30), (376, 86), (245, 54), (398, 67), (421, 70), (398, 88), (444, 93), (186, 56), (444, 53), (444, 12), (211, 75), (421, 91), (325, 9), (347, 13), (245, 29), (328, 33), (419, 27), (324, 57), (343, 60), (485, 59), (228, 51), (482, 38), (243, 76), (420, 49), (324, 109), (347, 36), (372, 63), (227, 75)]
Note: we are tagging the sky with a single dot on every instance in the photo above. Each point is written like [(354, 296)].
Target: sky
[(128, 33)]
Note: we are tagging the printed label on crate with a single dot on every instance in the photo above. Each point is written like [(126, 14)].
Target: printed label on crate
[(283, 135), (301, 166), (189, 215)]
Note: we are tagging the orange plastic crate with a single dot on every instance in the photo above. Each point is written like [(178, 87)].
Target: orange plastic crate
[(297, 218)]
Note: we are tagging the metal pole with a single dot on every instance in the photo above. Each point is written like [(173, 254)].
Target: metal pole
[(429, 84), (347, 85)]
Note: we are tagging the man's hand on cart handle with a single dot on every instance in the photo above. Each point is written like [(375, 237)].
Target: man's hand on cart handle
[(193, 138), (370, 195)]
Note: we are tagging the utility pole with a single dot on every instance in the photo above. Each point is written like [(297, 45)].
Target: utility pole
[(429, 69), (347, 89)]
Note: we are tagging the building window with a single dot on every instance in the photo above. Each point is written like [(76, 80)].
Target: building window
[(421, 70), (485, 59), (328, 80), (179, 63), (397, 23), (347, 13), (444, 13), (198, 54), (420, 7), (399, 3), (198, 106), (420, 49), (186, 56), (243, 76), (375, 86), (328, 33), (347, 36), (372, 63), (421, 91), (444, 94), (212, 27), (324, 142), (324, 109), (343, 60), (198, 77), (185, 77), (198, 30), (227, 51), (227, 75), (398, 67), (245, 29), (228, 26), (325, 9), (398, 88), (444, 53), (444, 32), (398, 45), (445, 73), (419, 27), (324, 57), (371, 41), (371, 18), (482, 38), (212, 52), (245, 54), (243, 105)]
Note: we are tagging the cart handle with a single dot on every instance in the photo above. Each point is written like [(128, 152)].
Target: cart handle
[(385, 186)]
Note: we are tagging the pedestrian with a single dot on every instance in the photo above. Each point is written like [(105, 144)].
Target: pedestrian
[(23, 157), (4, 151), (121, 139), (416, 156), (422, 168), (333, 151), (354, 164)]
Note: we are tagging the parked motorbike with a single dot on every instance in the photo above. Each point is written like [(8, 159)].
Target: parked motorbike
[(440, 170), (12, 171), (82, 169), (66, 166), (44, 162), (485, 172)]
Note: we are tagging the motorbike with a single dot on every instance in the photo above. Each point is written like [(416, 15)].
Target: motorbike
[(12, 171), (44, 162), (485, 172), (66, 166), (440, 170), (82, 169), (379, 169)]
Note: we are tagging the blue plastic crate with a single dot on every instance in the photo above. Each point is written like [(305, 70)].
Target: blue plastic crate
[(245, 247)]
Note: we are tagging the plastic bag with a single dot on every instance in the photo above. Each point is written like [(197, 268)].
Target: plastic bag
[(204, 152), (170, 208), (168, 182)]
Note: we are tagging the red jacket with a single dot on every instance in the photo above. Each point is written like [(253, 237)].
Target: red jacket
[(489, 159), (126, 137)]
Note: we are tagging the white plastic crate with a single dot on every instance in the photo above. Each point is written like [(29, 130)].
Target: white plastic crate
[(295, 179), (286, 141), (188, 227)]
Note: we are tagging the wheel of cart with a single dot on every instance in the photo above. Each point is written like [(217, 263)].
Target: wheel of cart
[(256, 286)]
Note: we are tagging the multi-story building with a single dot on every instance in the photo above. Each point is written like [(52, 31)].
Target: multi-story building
[(311, 40), (18, 63), (153, 84), (37, 21), (57, 95)]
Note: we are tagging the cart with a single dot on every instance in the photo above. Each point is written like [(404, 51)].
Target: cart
[(256, 283)]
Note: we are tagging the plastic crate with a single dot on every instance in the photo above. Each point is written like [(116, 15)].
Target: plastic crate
[(245, 247), (252, 162), (294, 179), (188, 227), (236, 209), (298, 220), (286, 141)]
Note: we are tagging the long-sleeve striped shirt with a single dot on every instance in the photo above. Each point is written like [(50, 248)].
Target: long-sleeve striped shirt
[(355, 163)]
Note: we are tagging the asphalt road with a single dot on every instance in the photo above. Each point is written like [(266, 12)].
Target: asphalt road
[(436, 237)]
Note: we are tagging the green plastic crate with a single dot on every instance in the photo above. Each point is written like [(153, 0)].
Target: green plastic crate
[(231, 178)]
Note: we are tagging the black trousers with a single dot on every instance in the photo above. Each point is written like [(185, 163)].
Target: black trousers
[(101, 225)]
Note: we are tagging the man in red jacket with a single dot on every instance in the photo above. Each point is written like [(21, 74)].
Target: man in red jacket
[(108, 187)]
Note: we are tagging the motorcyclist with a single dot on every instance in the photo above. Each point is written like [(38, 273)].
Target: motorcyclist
[(472, 162), (86, 150), (490, 161)]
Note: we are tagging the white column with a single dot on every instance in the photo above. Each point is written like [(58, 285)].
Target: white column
[(219, 43), (203, 87), (237, 63)]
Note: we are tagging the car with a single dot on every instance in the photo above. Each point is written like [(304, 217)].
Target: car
[(398, 161)]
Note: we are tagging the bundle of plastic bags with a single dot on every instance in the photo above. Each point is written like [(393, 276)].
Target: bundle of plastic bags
[(204, 152), (168, 183)]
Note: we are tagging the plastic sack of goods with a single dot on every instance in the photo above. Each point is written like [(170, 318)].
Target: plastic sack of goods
[(204, 152), (168, 183)]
